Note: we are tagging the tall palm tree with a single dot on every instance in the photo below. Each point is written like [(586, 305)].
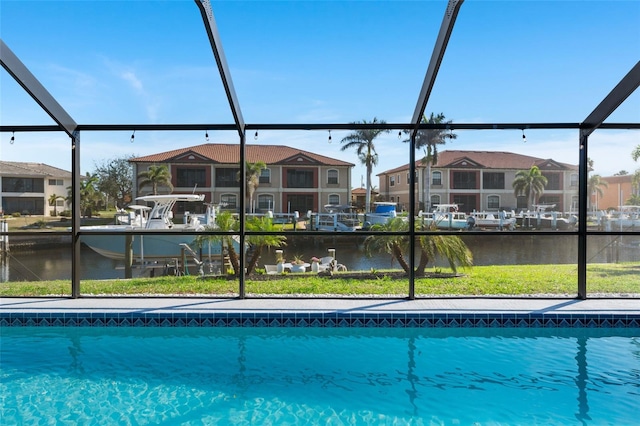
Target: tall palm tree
[(155, 175), (594, 185), (530, 183), (53, 202), (89, 195), (362, 142), (253, 171), (428, 140)]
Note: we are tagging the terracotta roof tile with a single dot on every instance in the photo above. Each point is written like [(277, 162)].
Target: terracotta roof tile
[(487, 160), (230, 154)]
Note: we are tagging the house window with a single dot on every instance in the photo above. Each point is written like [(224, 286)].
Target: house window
[(574, 203), (398, 179), (408, 175), (190, 177), (493, 202), (265, 176), (227, 177), (59, 203), (332, 177), (493, 180), (299, 178), (56, 182), (228, 201), (265, 202), (392, 181), (553, 181), (334, 199), (435, 200), (464, 180), (22, 185), (574, 180), (436, 178)]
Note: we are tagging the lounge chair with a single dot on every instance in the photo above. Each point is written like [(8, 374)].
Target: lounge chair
[(271, 269)]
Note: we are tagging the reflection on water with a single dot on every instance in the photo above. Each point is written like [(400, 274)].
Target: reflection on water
[(489, 249)]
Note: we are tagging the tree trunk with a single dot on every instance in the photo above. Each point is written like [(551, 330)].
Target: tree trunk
[(426, 197), (368, 197), (422, 264), (397, 253)]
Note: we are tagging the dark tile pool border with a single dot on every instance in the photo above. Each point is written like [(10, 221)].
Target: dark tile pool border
[(315, 319)]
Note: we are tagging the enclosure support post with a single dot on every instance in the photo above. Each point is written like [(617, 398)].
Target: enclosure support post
[(583, 201)]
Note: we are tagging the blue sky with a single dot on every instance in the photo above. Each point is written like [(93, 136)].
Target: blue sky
[(147, 62)]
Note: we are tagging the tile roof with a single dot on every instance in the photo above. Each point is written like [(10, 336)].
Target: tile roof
[(230, 154), (486, 160), (14, 168)]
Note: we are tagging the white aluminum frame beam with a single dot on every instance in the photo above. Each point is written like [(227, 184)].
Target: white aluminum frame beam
[(30, 83)]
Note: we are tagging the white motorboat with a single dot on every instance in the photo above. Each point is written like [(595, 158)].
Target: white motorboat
[(169, 244), (498, 220), (445, 216), (383, 212)]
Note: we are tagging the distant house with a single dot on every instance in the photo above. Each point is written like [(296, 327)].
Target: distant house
[(618, 190), (294, 180), (27, 187), (481, 181), (359, 197)]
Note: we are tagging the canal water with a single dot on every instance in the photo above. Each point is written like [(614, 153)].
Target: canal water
[(488, 249)]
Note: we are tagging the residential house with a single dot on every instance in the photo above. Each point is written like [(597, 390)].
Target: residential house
[(618, 191), (294, 180), (481, 181), (27, 187), (359, 197)]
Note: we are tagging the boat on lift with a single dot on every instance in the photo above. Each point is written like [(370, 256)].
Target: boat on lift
[(165, 238)]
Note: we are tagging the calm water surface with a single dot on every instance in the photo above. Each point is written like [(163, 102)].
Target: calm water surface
[(494, 249), (239, 376)]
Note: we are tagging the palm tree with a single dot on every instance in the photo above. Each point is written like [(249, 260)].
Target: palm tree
[(259, 242), (253, 171), (450, 247), (530, 183), (89, 195), (395, 245), (594, 185), (53, 202), (155, 175), (225, 222), (428, 140), (635, 154), (362, 141)]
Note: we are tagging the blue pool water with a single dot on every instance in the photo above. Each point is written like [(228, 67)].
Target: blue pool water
[(239, 376)]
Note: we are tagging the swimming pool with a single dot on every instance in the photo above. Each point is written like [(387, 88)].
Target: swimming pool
[(188, 376)]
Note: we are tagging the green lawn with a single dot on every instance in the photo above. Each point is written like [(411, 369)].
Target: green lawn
[(517, 280)]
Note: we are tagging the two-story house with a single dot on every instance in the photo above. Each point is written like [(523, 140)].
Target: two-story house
[(481, 181), (616, 193), (294, 180), (28, 188)]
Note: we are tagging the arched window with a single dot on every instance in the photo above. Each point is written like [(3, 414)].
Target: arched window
[(435, 200), (436, 178), (493, 202), (265, 176), (332, 177), (334, 199), (265, 202), (229, 201)]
